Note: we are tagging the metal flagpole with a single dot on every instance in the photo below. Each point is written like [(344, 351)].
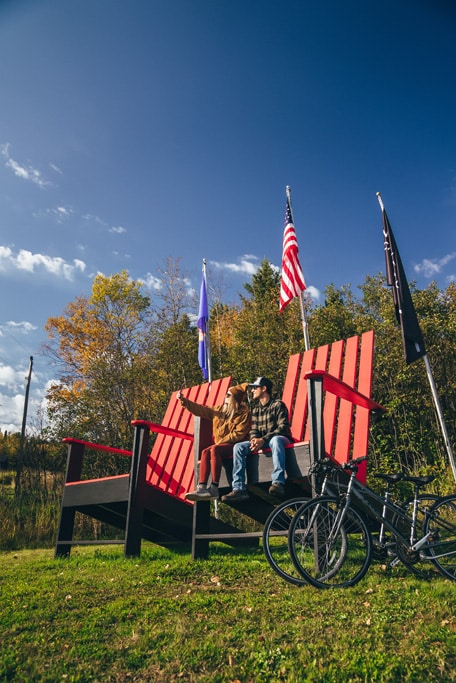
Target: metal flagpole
[(301, 296), (440, 415), (209, 365), (208, 341), (435, 396)]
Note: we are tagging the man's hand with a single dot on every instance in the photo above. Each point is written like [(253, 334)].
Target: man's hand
[(256, 444)]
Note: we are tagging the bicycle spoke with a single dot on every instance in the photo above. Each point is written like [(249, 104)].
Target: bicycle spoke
[(441, 524), (275, 540), (413, 560), (325, 552)]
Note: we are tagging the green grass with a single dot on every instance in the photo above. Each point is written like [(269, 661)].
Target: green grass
[(100, 617)]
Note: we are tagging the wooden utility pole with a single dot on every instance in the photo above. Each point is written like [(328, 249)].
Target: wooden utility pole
[(20, 455)]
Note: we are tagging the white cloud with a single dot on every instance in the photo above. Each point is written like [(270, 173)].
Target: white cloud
[(12, 408), (26, 261), (151, 282), (314, 293), (431, 267), (91, 218), (56, 169), (247, 264), (119, 230), (7, 377), (60, 213), (24, 172), (21, 328)]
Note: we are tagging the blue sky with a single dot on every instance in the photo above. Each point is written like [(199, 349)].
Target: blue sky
[(136, 130)]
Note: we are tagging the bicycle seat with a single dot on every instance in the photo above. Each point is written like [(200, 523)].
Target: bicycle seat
[(391, 478), (420, 481)]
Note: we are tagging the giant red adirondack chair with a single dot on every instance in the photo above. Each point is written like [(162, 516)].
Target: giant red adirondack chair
[(327, 391)]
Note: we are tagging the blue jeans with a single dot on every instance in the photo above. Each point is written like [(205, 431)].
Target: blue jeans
[(242, 450)]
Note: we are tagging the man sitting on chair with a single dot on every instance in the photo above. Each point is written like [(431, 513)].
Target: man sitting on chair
[(270, 429)]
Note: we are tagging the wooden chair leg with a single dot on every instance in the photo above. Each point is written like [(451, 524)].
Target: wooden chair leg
[(201, 525), (65, 532)]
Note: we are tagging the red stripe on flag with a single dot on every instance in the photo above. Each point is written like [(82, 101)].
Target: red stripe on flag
[(292, 283)]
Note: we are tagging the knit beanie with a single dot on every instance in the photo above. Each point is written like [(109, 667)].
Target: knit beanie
[(239, 392)]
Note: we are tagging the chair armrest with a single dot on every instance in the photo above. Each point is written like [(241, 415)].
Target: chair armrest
[(160, 429), (343, 390), (97, 447)]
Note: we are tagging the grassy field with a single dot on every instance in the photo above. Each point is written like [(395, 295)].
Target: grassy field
[(100, 617)]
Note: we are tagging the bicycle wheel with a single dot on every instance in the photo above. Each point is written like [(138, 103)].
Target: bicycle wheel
[(413, 560), (275, 540), (329, 553), (441, 524)]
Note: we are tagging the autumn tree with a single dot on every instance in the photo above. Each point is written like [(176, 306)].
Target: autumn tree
[(99, 346)]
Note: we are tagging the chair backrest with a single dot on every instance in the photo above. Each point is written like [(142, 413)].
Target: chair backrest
[(170, 465), (346, 428)]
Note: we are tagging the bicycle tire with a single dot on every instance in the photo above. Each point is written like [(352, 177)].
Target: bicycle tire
[(275, 540), (441, 524), (413, 561), (343, 550)]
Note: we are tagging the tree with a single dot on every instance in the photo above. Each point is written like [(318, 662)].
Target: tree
[(260, 339), (99, 345)]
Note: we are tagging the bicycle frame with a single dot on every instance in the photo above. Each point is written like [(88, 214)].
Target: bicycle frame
[(368, 499)]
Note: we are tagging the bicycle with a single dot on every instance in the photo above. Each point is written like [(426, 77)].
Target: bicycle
[(275, 532), (276, 527), (384, 545), (330, 525)]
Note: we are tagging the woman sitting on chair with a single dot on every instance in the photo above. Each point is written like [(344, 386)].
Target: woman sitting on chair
[(230, 424)]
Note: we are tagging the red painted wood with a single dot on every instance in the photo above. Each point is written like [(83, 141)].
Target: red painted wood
[(299, 417), (345, 418), (320, 362), (171, 462), (97, 447), (216, 396), (181, 457), (361, 434), (165, 452), (331, 403), (291, 380)]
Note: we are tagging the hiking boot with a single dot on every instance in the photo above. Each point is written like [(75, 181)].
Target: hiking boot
[(235, 496), (203, 493), (277, 490)]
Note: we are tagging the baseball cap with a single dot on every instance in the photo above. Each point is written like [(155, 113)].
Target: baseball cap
[(262, 382)]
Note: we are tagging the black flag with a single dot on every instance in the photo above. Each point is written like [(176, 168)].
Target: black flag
[(412, 339)]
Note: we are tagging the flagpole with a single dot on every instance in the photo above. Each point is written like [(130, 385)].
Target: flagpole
[(440, 415), (434, 393), (208, 341), (305, 329)]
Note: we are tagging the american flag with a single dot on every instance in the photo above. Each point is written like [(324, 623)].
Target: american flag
[(292, 283)]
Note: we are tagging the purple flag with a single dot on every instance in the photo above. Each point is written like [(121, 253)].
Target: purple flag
[(203, 317)]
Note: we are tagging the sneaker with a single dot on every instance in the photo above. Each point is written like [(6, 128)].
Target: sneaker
[(214, 491), (203, 493), (277, 490), (235, 496)]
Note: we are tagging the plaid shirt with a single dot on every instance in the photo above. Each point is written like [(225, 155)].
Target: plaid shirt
[(270, 420)]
